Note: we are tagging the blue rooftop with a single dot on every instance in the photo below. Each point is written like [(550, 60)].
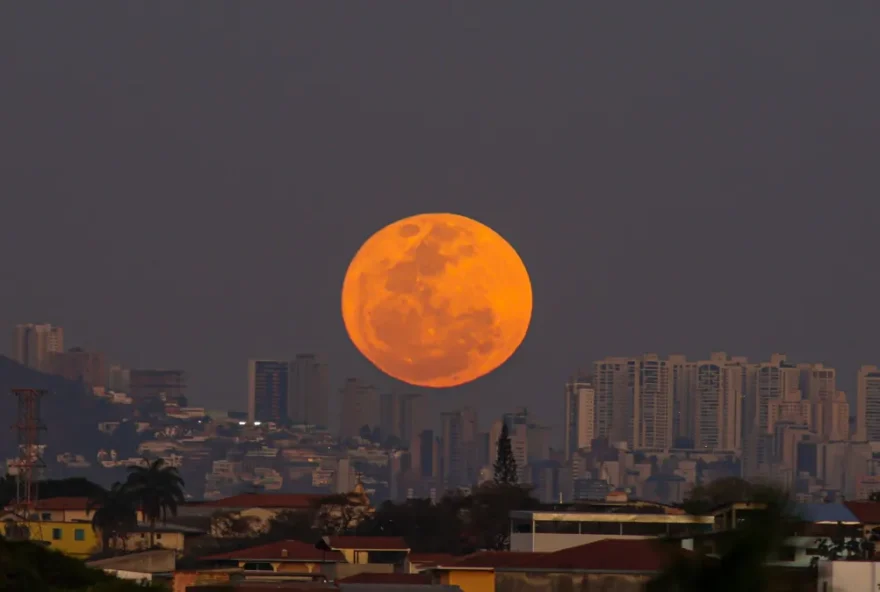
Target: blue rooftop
[(825, 513)]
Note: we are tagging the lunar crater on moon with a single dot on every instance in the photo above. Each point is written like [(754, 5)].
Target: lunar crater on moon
[(437, 300)]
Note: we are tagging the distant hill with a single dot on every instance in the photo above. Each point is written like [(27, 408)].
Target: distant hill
[(70, 412)]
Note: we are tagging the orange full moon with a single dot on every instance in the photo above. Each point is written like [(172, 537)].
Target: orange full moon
[(437, 300)]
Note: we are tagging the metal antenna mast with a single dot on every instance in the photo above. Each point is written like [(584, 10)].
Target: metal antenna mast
[(28, 425)]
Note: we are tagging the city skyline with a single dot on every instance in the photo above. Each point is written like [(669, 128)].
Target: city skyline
[(664, 198), (645, 425), (711, 382)]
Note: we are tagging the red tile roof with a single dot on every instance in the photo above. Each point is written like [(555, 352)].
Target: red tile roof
[(386, 578), (432, 558), (610, 555), (255, 586), (493, 559), (367, 543), (289, 501), (63, 503), (292, 551), (866, 512)]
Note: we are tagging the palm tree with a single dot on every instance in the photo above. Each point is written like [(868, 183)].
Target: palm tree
[(157, 489), (740, 557), (115, 514)]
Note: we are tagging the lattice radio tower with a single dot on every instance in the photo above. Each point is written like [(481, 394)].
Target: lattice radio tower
[(27, 467)]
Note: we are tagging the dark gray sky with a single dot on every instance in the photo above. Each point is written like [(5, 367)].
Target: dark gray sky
[(184, 183)]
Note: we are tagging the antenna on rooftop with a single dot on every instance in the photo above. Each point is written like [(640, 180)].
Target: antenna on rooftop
[(28, 426)]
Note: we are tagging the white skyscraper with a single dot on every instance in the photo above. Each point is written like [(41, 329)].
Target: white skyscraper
[(717, 387), (580, 415), (634, 402), (766, 382), (868, 405), (819, 387)]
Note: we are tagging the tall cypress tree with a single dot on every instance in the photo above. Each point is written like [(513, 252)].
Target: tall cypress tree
[(505, 464)]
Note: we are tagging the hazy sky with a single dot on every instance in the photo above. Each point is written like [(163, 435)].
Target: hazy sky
[(183, 183)]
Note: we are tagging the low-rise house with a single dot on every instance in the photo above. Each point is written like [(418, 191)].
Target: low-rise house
[(362, 550), (548, 531), (419, 562), (476, 572), (61, 509), (152, 565), (387, 579), (848, 576), (623, 565), (813, 523), (281, 557), (165, 536), (76, 539), (255, 509), (868, 515)]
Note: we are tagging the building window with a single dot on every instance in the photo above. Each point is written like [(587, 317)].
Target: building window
[(56, 534), (45, 516), (644, 528), (521, 525), (556, 527), (79, 534)]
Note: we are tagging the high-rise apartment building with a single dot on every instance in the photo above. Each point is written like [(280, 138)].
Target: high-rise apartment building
[(459, 438), (614, 391), (425, 453), (835, 418), (653, 404), (34, 344), (268, 385), (519, 446), (389, 415), (868, 405), (119, 378), (634, 402), (360, 406), (164, 385), (540, 439), (580, 415), (715, 400), (79, 365), (765, 382), (403, 416), (682, 375), (308, 399), (414, 417), (791, 408), (819, 386)]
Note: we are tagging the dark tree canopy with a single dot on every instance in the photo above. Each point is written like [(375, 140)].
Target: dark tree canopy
[(505, 464), (34, 568), (457, 524), (720, 492), (72, 487), (740, 558)]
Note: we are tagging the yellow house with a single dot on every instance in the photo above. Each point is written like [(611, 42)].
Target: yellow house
[(475, 579), (77, 539), (61, 509), (476, 573), (165, 536), (365, 550), (65, 524)]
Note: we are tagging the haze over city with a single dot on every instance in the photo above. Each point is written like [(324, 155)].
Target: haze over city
[(455, 296), (185, 188)]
